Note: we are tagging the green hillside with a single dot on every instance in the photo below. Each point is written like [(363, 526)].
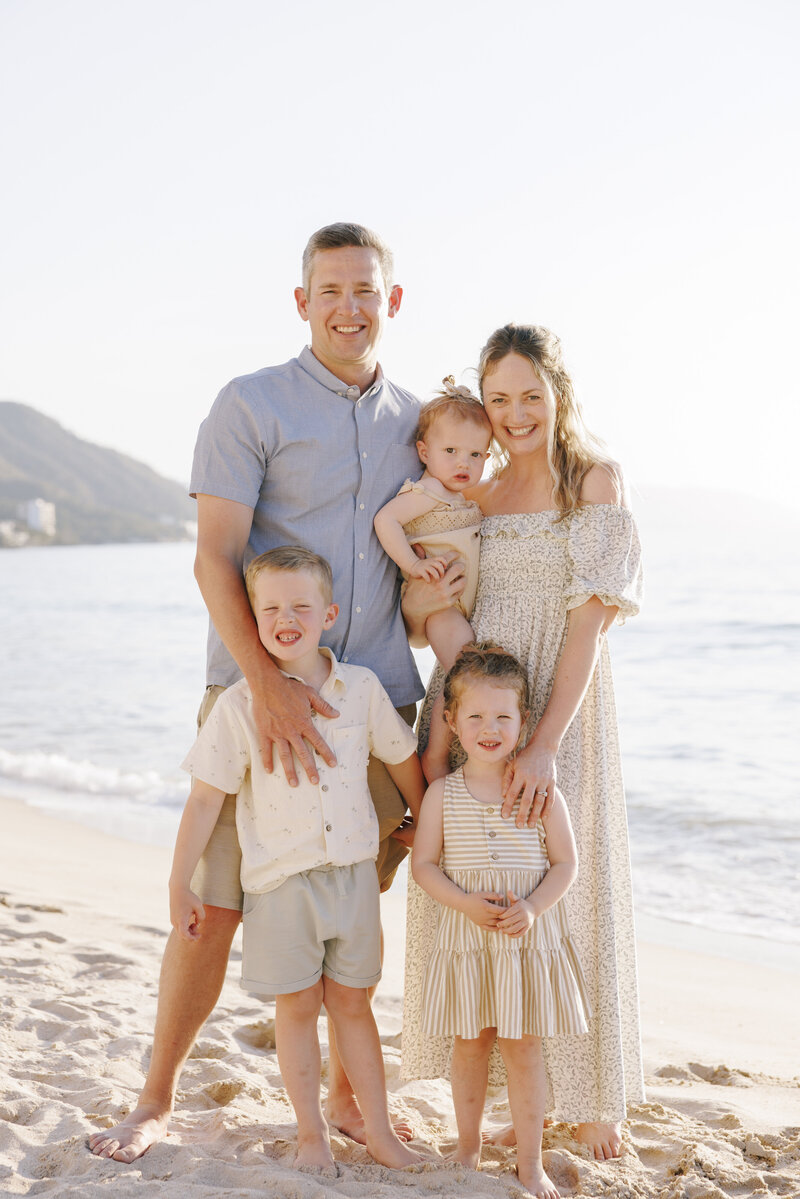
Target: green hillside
[(100, 495)]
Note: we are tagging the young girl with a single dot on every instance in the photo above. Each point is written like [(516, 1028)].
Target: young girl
[(453, 438), (504, 968)]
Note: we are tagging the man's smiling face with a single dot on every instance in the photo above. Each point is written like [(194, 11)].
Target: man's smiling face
[(347, 305)]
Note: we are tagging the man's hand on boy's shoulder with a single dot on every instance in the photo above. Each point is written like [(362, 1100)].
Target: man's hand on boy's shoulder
[(282, 715)]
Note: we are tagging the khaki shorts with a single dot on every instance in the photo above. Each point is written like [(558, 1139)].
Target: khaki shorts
[(216, 879), (323, 921)]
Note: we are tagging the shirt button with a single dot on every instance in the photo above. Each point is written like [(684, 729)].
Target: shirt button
[(361, 506), (363, 453), (492, 833), (345, 658), (328, 828), (325, 788), (361, 555), (358, 609), (489, 811), (494, 856)]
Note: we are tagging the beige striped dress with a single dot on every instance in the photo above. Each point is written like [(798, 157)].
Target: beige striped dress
[(479, 978)]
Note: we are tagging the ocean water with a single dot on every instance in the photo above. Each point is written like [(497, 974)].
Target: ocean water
[(103, 653)]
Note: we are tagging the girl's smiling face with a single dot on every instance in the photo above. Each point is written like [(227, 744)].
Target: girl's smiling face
[(487, 720), (520, 406)]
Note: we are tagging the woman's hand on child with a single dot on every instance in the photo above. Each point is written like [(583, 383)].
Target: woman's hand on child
[(186, 912), (483, 908), (531, 777), (517, 918)]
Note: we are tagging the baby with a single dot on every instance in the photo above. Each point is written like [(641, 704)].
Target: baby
[(453, 438)]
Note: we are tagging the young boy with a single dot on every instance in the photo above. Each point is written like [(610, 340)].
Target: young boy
[(311, 906)]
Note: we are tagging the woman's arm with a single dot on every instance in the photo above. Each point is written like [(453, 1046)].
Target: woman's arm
[(482, 907), (533, 771), (563, 857)]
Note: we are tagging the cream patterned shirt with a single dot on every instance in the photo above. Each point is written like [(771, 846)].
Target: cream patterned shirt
[(285, 830)]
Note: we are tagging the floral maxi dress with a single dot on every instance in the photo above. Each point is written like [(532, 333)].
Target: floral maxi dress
[(533, 570)]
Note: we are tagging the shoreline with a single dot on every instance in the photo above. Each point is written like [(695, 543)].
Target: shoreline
[(83, 920)]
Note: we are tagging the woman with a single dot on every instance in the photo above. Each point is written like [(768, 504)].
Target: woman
[(560, 562)]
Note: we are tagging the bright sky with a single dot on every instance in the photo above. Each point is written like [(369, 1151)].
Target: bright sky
[(622, 172)]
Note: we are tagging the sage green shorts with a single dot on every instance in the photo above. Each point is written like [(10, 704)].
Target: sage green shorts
[(216, 879)]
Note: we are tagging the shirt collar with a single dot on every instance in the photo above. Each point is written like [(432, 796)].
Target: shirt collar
[(312, 366), (335, 678)]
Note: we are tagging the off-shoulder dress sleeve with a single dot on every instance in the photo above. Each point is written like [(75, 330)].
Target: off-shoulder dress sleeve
[(605, 559)]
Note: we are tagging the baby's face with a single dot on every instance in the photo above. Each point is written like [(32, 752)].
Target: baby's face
[(454, 451)]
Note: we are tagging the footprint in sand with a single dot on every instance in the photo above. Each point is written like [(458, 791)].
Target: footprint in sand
[(260, 1035)]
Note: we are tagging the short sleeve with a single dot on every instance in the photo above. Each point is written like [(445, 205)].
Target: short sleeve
[(230, 455), (221, 755), (605, 559), (390, 738)]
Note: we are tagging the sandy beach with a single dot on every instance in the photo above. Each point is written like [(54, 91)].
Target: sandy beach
[(83, 920)]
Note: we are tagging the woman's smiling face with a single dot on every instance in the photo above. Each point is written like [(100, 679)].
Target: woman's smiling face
[(520, 406)]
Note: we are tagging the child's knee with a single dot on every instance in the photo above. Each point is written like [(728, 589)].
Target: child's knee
[(301, 1005), (346, 1002), (477, 1047)]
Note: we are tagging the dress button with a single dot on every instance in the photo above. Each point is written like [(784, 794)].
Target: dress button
[(325, 788), (489, 811), (328, 828)]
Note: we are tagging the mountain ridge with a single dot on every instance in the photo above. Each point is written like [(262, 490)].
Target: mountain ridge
[(100, 494)]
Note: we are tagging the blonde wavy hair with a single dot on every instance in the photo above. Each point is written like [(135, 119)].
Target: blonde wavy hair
[(572, 450)]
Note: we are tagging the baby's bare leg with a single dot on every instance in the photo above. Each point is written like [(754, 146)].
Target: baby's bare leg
[(297, 1044), (360, 1050), (527, 1090), (448, 632), (469, 1075)]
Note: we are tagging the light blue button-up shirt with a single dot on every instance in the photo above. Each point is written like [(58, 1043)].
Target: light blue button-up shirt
[(315, 461)]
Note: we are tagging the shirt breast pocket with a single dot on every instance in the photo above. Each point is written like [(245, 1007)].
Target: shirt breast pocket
[(351, 746)]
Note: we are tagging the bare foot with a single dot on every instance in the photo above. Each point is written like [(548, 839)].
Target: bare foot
[(469, 1158), (347, 1119), (133, 1136), (314, 1152), (605, 1140), (534, 1179), (390, 1151)]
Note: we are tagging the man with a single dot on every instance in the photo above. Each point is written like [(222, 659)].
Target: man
[(303, 453)]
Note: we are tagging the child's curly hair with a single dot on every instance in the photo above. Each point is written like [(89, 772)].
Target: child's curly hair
[(485, 661)]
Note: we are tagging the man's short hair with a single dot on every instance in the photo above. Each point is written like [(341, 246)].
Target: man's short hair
[(344, 233), (291, 558)]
